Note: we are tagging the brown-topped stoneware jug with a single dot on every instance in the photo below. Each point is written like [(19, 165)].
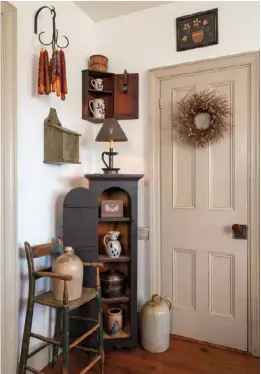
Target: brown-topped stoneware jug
[(70, 264)]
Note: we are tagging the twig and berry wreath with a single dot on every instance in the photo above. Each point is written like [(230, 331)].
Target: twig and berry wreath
[(188, 121)]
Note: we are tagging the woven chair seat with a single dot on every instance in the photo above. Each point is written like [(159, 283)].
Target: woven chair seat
[(46, 299)]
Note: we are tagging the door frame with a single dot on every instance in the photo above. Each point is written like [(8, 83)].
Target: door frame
[(156, 76), (9, 290)]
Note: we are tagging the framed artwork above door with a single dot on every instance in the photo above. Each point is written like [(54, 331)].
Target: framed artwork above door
[(197, 30)]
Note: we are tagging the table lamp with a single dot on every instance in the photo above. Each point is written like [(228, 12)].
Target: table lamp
[(110, 131)]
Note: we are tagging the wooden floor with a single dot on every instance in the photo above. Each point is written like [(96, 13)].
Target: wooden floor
[(183, 357)]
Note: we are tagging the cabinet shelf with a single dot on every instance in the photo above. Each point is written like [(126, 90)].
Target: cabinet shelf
[(93, 120), (98, 74), (99, 93), (104, 258), (124, 334), (114, 219), (121, 299)]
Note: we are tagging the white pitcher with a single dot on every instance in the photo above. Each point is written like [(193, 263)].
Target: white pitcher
[(97, 84), (97, 107), (112, 246)]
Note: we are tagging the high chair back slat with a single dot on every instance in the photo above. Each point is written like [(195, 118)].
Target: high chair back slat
[(45, 249)]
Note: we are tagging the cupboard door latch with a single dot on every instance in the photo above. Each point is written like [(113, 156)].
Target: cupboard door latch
[(125, 82)]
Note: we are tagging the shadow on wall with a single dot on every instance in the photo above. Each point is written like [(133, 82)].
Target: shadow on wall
[(43, 320)]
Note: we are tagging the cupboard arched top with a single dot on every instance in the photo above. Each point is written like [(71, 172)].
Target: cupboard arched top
[(79, 197), (100, 182)]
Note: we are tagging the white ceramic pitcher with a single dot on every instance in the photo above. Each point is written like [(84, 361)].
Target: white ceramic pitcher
[(112, 246), (97, 84), (97, 107)]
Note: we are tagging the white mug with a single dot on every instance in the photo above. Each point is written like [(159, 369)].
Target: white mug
[(97, 107), (97, 84)]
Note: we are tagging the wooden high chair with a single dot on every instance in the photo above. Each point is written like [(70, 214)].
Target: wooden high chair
[(61, 338)]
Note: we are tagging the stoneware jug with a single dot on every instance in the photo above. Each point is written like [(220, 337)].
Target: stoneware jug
[(97, 107), (112, 244), (155, 324), (70, 264)]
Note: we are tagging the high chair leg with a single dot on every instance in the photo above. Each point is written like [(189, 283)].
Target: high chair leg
[(100, 331), (65, 341), (26, 337), (57, 335)]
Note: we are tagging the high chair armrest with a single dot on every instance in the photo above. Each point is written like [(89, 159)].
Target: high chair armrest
[(93, 264), (64, 277)]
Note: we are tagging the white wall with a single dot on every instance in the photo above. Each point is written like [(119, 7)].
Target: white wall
[(146, 40), (41, 187), (136, 42)]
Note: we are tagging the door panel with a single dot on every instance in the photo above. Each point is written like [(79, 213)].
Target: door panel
[(204, 192)]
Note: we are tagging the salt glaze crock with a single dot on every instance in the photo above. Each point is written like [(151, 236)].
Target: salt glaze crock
[(155, 324), (70, 264), (114, 321)]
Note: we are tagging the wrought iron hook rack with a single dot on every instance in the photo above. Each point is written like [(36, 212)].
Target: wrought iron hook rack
[(54, 41)]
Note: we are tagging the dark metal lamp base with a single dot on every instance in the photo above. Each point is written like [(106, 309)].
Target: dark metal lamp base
[(110, 170)]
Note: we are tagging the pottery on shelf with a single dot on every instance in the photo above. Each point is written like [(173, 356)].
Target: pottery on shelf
[(112, 246), (112, 283), (114, 321), (97, 108), (97, 84)]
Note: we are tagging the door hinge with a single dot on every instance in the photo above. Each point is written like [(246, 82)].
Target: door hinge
[(160, 103)]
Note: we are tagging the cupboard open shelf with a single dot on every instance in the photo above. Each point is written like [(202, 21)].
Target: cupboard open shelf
[(95, 120), (104, 258), (113, 300), (99, 93), (124, 334), (114, 219), (99, 74)]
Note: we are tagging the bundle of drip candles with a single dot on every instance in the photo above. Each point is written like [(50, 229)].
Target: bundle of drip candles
[(52, 74)]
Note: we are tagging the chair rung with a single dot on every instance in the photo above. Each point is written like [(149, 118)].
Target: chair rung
[(86, 349), (84, 319), (91, 364), (32, 370), (44, 339), (84, 336), (31, 354)]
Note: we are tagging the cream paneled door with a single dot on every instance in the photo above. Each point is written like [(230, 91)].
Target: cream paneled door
[(204, 192)]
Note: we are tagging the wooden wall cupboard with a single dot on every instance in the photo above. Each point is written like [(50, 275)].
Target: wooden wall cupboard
[(118, 103), (84, 229)]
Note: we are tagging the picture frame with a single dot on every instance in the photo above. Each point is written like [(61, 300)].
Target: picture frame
[(197, 30), (111, 209)]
